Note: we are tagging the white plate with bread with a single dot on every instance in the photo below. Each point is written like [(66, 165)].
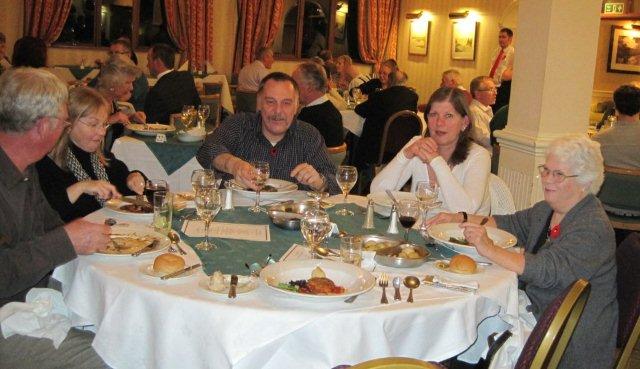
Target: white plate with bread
[(459, 264), (166, 264)]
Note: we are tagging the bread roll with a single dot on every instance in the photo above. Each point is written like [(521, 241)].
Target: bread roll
[(462, 264), (168, 263)]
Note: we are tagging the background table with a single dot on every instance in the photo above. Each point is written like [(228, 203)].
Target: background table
[(142, 322), (172, 161)]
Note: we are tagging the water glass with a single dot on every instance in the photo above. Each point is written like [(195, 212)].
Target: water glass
[(315, 226), (262, 174), (162, 211), (208, 205), (351, 250)]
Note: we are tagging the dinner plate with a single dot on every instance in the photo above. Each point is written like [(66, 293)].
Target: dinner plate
[(355, 280), (116, 205), (284, 188), (382, 203), (246, 284), (444, 266), (442, 233), (147, 269), (151, 129), (142, 231)]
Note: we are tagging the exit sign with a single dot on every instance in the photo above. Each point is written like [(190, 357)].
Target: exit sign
[(614, 8)]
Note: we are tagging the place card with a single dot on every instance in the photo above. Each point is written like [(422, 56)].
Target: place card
[(234, 231), (161, 138), (296, 252)]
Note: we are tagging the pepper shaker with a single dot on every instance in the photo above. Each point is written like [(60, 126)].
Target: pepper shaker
[(228, 199), (393, 221), (368, 219)]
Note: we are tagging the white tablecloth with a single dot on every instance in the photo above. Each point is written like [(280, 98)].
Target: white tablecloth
[(145, 323), (137, 155), (354, 123)]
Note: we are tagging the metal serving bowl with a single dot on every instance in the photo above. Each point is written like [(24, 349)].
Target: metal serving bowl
[(386, 256), (291, 221)]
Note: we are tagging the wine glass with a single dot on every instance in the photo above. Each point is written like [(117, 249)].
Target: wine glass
[(347, 176), (202, 176), (203, 114), (262, 174), (208, 204), (315, 226), (187, 115), (427, 194), (320, 192), (153, 185), (409, 211)]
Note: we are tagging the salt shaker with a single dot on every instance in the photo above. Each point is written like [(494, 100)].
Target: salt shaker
[(393, 222), (368, 219), (228, 199)]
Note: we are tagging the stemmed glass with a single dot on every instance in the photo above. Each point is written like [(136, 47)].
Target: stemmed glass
[(315, 227), (187, 115), (203, 114), (208, 204), (153, 185), (262, 174), (347, 176), (202, 176), (409, 211), (320, 192), (427, 194)]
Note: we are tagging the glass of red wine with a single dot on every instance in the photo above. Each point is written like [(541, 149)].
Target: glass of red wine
[(153, 185), (408, 211)]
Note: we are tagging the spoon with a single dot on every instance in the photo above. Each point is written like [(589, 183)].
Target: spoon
[(411, 282), (323, 251), (175, 239), (397, 282)]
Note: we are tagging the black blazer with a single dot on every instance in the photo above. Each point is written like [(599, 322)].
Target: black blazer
[(170, 93), (376, 110)]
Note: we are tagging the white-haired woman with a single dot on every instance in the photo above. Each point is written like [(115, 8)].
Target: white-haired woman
[(565, 237), (76, 177)]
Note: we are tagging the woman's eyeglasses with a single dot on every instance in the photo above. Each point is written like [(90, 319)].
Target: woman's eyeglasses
[(95, 124), (556, 175)]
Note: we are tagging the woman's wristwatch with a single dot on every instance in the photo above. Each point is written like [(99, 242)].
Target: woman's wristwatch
[(465, 217)]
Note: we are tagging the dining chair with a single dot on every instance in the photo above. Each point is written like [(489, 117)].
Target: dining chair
[(619, 197), (501, 199), (498, 122), (337, 153), (628, 280), (398, 130), (548, 340), (246, 101), (397, 363)]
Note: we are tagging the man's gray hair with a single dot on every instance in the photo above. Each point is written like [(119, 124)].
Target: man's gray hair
[(476, 84), (115, 70), (262, 52), (583, 157), (314, 76), (28, 94)]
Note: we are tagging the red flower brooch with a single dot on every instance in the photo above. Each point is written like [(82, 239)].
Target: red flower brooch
[(554, 232)]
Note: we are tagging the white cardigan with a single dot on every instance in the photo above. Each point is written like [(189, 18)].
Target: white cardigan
[(463, 188)]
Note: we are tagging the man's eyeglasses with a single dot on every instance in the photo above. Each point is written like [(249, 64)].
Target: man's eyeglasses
[(493, 89), (556, 175), (118, 52)]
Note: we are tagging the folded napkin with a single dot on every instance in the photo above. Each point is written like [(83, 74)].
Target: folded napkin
[(43, 315), (234, 231)]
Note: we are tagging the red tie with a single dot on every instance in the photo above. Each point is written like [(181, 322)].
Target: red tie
[(496, 63)]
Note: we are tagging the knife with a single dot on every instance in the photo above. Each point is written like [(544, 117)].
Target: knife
[(232, 287), (390, 194), (180, 272), (148, 247)]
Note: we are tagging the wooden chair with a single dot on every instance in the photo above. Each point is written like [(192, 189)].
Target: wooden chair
[(337, 153), (398, 130), (628, 259), (548, 340), (246, 101), (397, 363), (620, 196)]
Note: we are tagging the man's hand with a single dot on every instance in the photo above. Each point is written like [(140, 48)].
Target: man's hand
[(87, 237), (307, 175), (245, 174)]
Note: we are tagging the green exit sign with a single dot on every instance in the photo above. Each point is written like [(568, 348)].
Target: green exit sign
[(614, 8)]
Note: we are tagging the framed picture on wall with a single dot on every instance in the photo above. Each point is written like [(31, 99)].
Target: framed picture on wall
[(624, 50), (463, 40), (419, 37)]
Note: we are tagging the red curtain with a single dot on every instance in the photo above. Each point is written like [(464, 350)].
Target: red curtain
[(378, 29), (258, 24), (190, 25), (45, 19)]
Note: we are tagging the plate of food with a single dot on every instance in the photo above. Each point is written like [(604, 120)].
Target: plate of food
[(134, 238), (402, 256), (459, 264), (219, 283), (138, 210), (273, 189), (382, 203), (166, 264), (150, 129), (451, 235), (317, 279)]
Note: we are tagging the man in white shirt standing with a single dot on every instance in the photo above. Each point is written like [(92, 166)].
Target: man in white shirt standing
[(483, 90), (502, 67), (251, 74)]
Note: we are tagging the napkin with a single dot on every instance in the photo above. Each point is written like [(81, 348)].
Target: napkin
[(234, 231), (43, 315), (453, 284)]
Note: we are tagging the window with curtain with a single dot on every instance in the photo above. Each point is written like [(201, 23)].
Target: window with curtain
[(99, 22)]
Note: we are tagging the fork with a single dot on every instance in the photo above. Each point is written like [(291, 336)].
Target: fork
[(383, 282)]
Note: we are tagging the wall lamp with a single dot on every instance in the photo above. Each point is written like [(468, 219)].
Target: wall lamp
[(414, 15), (458, 15)]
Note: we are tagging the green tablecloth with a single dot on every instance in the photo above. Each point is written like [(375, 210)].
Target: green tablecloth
[(78, 72), (172, 154), (231, 255)]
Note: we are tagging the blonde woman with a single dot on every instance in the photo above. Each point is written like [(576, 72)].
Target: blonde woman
[(76, 177)]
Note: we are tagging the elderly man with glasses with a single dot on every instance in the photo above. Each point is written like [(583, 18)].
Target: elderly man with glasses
[(483, 89), (33, 239)]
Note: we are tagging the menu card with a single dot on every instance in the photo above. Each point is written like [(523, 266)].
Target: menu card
[(234, 231)]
